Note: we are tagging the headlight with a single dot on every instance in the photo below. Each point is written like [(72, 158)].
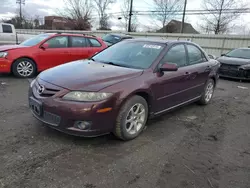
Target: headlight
[(247, 66), (32, 82), (86, 96), (3, 54)]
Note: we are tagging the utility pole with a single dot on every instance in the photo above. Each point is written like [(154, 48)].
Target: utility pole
[(20, 2), (130, 15), (183, 17)]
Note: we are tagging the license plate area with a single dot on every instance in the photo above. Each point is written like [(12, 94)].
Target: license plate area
[(36, 106)]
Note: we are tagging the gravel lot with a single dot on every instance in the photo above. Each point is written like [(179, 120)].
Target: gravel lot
[(193, 147)]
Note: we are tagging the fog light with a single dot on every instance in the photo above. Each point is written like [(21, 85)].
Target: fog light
[(83, 125)]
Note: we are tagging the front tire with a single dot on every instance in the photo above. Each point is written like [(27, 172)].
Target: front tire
[(24, 68), (208, 92), (132, 118)]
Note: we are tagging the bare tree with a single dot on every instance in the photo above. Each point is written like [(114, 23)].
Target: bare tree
[(221, 15), (101, 7), (242, 29), (36, 21), (20, 23), (78, 13), (125, 16), (134, 25), (164, 9)]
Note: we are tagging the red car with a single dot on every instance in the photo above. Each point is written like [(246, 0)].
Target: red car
[(46, 51)]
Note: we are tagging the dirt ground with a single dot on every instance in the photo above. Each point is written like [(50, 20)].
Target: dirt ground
[(193, 147)]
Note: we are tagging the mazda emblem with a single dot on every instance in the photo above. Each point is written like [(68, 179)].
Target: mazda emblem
[(40, 89)]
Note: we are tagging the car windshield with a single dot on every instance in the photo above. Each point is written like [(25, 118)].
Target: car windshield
[(139, 55), (35, 40), (239, 53), (111, 38)]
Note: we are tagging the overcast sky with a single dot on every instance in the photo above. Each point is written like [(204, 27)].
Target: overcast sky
[(51, 7)]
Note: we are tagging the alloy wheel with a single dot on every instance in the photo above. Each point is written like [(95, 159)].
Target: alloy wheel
[(25, 68), (209, 92), (135, 118)]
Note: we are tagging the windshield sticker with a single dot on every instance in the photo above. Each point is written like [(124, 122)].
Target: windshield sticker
[(151, 46)]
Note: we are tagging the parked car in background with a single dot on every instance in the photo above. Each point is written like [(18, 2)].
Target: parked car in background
[(235, 64), (8, 35), (120, 87), (45, 51), (113, 38)]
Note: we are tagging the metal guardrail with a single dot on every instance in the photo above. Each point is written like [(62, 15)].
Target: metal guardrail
[(213, 44)]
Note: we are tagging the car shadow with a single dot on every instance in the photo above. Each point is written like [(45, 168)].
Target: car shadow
[(6, 75), (157, 125), (234, 80)]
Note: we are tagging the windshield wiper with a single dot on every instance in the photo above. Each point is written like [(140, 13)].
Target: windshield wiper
[(115, 64)]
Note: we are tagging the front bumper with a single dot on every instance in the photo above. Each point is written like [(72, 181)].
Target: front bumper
[(234, 72), (62, 115), (5, 65)]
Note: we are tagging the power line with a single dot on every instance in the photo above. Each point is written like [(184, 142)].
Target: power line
[(204, 10), (195, 13)]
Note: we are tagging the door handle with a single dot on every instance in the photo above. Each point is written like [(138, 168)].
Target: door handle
[(208, 68)]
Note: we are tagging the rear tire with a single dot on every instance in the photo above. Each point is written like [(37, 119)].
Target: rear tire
[(24, 68), (132, 118), (208, 92)]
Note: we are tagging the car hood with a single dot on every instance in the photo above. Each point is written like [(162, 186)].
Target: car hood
[(233, 61), (10, 47), (87, 75), (108, 43)]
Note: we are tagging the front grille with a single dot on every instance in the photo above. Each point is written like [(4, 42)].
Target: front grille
[(48, 118), (51, 118), (229, 67), (49, 89)]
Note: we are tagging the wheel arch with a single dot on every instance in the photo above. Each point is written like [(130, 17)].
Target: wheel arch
[(213, 77), (142, 93), (27, 57)]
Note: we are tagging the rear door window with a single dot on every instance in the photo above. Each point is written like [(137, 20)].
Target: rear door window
[(7, 28), (195, 55), (78, 42), (94, 42)]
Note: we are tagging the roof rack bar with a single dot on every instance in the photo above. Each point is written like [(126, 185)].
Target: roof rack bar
[(68, 32)]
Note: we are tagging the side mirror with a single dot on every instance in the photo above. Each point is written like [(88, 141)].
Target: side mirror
[(223, 54), (211, 56), (44, 46), (169, 67)]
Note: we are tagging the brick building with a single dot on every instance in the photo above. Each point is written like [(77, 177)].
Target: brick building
[(57, 23)]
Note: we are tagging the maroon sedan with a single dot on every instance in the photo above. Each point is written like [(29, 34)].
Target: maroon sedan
[(119, 88)]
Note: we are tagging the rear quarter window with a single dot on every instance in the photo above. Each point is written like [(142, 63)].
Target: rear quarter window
[(94, 42), (7, 29)]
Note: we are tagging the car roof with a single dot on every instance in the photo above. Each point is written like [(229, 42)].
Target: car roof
[(157, 40), (242, 48)]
